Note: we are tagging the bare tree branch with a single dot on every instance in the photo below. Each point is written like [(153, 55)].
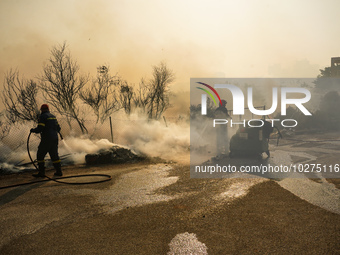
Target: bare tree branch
[(5, 127), (141, 96), (19, 97), (61, 84), (158, 98), (102, 95), (126, 95)]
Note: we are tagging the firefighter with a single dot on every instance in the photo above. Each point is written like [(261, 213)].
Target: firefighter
[(48, 128), (222, 140)]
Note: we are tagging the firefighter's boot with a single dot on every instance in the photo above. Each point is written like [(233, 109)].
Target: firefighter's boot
[(57, 167), (41, 167)]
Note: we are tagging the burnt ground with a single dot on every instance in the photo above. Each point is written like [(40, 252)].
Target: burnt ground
[(131, 215), (55, 219)]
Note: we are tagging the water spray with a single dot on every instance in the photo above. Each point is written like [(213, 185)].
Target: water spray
[(65, 144)]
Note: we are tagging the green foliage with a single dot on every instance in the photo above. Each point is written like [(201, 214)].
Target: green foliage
[(327, 117), (325, 81)]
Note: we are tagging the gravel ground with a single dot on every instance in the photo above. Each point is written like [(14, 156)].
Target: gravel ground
[(157, 209)]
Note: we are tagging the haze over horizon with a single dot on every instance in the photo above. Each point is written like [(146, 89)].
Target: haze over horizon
[(194, 38)]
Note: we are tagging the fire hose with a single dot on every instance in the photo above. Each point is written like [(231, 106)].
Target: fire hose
[(58, 179)]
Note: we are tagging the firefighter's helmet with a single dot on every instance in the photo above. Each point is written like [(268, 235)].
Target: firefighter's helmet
[(44, 108)]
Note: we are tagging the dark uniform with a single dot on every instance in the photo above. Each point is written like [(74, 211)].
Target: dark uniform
[(222, 139), (48, 128)]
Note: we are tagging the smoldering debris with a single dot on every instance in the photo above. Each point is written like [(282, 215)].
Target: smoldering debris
[(113, 155), (6, 168)]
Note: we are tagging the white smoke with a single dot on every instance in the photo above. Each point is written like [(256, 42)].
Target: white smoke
[(167, 140), (203, 136), (74, 149)]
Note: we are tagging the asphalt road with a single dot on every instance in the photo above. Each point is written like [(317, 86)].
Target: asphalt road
[(157, 209)]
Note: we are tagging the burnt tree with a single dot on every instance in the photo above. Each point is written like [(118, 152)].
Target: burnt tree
[(19, 96), (101, 96), (62, 84)]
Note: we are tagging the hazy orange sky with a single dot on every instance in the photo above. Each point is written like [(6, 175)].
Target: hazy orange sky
[(215, 38)]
